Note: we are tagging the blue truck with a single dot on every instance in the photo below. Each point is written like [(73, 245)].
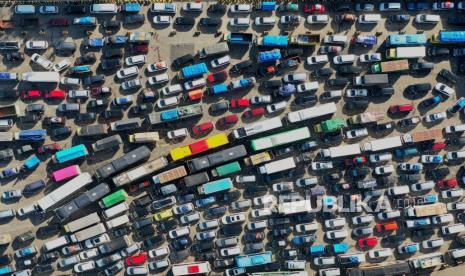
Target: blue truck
[(239, 38), (192, 71), (449, 37), (273, 41), (254, 259), (269, 56), (174, 114), (215, 186)]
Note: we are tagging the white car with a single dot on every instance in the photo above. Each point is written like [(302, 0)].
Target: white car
[(364, 219), (177, 133), (233, 218), (131, 84), (422, 186), (444, 89), (318, 19), (219, 62), (273, 108), (344, 59), (265, 21), (167, 102), (43, 62), (357, 133), (264, 200), (135, 60), (48, 9), (159, 79), (384, 170), (241, 8), (162, 20), (239, 22), (137, 270), (380, 253), (260, 213), (230, 251), (307, 87), (434, 117), (295, 77), (324, 165), (256, 100), (452, 193), (370, 57), (372, 18), (390, 6), (455, 155), (454, 128), (36, 45), (159, 252), (440, 6), (324, 261), (257, 225), (209, 224), (440, 219), (356, 92), (62, 65), (83, 267), (427, 18), (283, 187), (432, 243), (319, 59), (455, 206), (196, 83), (127, 72), (170, 90), (306, 227), (380, 157), (179, 232), (89, 254), (192, 7), (388, 215), (431, 159), (96, 241), (337, 234), (335, 223), (156, 67)]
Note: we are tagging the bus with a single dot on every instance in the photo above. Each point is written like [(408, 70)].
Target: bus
[(144, 137), (406, 40), (254, 259), (311, 112), (113, 198), (31, 135), (215, 186), (199, 146), (69, 154), (82, 223), (280, 139), (216, 158), (121, 163), (64, 191), (140, 171), (65, 173), (88, 233), (195, 268), (258, 127), (229, 168)]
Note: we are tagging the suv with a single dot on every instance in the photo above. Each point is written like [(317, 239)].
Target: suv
[(182, 60), (10, 45)]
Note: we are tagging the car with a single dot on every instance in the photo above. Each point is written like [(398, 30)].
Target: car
[(380, 253), (217, 77), (137, 259), (438, 51), (455, 155), (432, 243), (364, 7), (349, 69), (322, 72), (370, 57), (448, 75), (61, 131), (446, 5), (239, 22), (344, 59), (399, 18), (159, 265), (337, 82), (96, 241), (359, 92), (135, 60), (409, 122), (420, 88), (314, 8), (36, 45), (444, 90), (336, 234), (241, 67), (318, 59), (367, 242), (357, 133), (394, 239), (128, 72), (265, 21), (431, 101), (325, 49), (323, 165), (318, 19), (220, 62), (184, 20), (422, 66), (241, 8), (275, 107), (434, 117), (133, 18), (291, 19), (402, 108), (295, 77)]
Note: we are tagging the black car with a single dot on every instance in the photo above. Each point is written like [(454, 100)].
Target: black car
[(88, 117), (14, 57), (438, 51), (382, 91), (49, 257), (394, 239), (179, 244), (229, 196), (438, 173), (146, 231), (305, 217), (119, 232), (86, 59), (202, 247), (143, 200), (29, 118), (98, 103), (423, 233), (322, 72), (216, 8), (408, 122), (178, 256), (112, 53), (223, 263), (43, 268), (337, 82), (112, 114), (50, 229), (219, 107), (422, 66), (61, 131), (254, 237), (142, 109), (74, 9), (305, 100), (184, 21), (293, 52), (5, 259), (456, 141), (110, 64), (210, 22), (231, 230), (399, 18), (111, 24), (167, 225), (270, 84), (419, 88), (183, 60), (381, 128), (215, 211), (208, 256), (91, 80), (448, 75), (279, 221), (134, 18), (356, 104), (241, 67), (349, 69)]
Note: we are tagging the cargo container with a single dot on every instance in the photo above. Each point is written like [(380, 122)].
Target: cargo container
[(107, 143), (341, 151), (215, 186), (383, 144), (135, 156), (418, 211), (226, 169), (406, 52), (216, 158), (273, 41), (88, 233), (82, 223), (65, 173), (113, 198), (371, 79), (140, 172), (312, 112), (390, 66), (169, 175), (278, 166), (258, 127), (214, 50)]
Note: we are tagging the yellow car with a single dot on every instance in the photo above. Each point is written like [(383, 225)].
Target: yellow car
[(163, 215)]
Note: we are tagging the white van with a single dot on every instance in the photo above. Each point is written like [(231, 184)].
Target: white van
[(178, 133), (118, 221), (116, 210), (427, 18), (329, 272), (457, 253), (104, 8), (454, 128), (144, 137), (172, 89), (56, 243), (369, 18), (25, 9), (452, 229), (398, 190)]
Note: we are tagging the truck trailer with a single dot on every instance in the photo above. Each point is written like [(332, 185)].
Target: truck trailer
[(383, 144), (341, 151), (371, 79), (366, 117), (406, 52)]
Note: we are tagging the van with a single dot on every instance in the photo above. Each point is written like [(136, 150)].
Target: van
[(452, 229), (6, 123), (107, 143), (457, 253), (190, 85), (56, 243), (69, 107), (369, 18), (116, 210), (6, 214), (163, 8), (178, 133), (104, 8), (170, 90), (25, 9), (34, 187), (144, 137), (398, 190), (118, 221), (329, 272), (335, 39), (427, 18)]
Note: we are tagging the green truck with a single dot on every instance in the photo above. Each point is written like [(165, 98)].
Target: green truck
[(331, 125)]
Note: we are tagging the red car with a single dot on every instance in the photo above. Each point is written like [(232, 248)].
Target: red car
[(448, 183), (228, 120), (140, 48), (315, 8), (138, 259), (31, 95), (254, 113), (203, 128), (139, 186), (367, 242), (55, 95), (59, 22), (50, 148), (400, 108), (387, 226), (437, 146), (235, 103), (355, 161), (220, 76)]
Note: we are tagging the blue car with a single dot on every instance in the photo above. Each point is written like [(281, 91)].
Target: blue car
[(429, 199), (419, 6), (401, 153), (408, 249), (316, 250), (205, 201), (304, 239), (458, 105), (431, 101), (6, 270)]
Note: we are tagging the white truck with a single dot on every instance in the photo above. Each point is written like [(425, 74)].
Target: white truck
[(295, 207), (41, 77), (311, 112), (418, 211), (341, 151), (258, 127), (383, 144), (278, 166), (406, 52)]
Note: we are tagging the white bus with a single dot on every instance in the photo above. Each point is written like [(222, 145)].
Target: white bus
[(279, 139), (191, 268), (59, 194), (116, 210), (88, 233), (82, 223), (139, 172), (311, 112), (257, 127)]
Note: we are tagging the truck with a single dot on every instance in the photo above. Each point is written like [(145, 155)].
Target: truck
[(365, 40), (88, 233), (31, 135), (175, 114), (311, 112), (214, 50), (139, 37), (304, 39), (82, 223), (269, 56), (6, 136), (140, 171), (331, 125), (383, 144), (424, 135), (216, 186), (406, 52), (257, 127), (7, 24), (390, 66), (55, 243), (92, 130), (114, 245), (371, 79), (278, 166), (449, 37), (273, 41), (430, 260), (435, 209), (47, 77), (170, 175), (239, 38), (192, 71), (7, 76), (294, 207), (9, 111), (341, 151), (129, 159), (259, 158), (366, 117)]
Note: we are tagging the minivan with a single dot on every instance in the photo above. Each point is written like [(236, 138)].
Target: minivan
[(104, 8), (25, 9), (34, 187), (369, 18), (398, 190)]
